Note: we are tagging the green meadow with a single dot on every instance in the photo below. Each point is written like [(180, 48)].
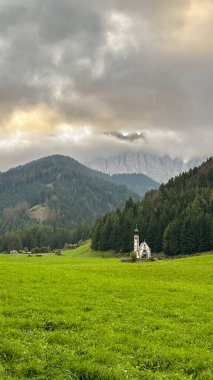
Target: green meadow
[(87, 317)]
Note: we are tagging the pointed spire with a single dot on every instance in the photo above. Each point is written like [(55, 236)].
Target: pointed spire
[(136, 229)]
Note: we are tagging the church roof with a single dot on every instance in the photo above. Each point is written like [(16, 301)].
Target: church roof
[(144, 246)]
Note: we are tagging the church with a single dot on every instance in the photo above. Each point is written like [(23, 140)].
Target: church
[(142, 250)]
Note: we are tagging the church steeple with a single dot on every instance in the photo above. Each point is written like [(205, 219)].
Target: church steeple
[(136, 240), (142, 250)]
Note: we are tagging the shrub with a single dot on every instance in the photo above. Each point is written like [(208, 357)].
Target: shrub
[(40, 249), (133, 256)]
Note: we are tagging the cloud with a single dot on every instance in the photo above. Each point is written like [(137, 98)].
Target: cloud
[(105, 66), (125, 136)]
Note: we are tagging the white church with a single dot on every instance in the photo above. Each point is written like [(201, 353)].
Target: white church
[(142, 250)]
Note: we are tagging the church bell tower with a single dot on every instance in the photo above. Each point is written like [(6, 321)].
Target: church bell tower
[(136, 241)]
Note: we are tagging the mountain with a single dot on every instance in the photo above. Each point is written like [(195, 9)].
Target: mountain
[(176, 219), (160, 169), (138, 183), (56, 190)]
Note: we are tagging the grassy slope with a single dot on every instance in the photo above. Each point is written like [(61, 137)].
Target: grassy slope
[(84, 251), (64, 318)]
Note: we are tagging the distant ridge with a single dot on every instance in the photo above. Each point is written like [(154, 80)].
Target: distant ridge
[(159, 168), (137, 182)]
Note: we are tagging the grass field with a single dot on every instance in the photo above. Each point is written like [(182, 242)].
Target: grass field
[(83, 317)]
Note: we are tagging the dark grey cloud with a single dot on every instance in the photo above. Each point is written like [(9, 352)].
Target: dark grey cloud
[(108, 65), (131, 137)]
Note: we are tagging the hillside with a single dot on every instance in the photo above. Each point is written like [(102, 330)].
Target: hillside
[(159, 168), (57, 190), (135, 182), (177, 218), (138, 183), (84, 251)]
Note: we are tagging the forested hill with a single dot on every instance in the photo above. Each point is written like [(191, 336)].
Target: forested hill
[(56, 190), (177, 218), (137, 182)]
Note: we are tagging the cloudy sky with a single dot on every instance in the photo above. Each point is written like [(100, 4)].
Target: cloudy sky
[(98, 77)]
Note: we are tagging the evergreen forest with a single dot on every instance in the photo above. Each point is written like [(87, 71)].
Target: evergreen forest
[(176, 219)]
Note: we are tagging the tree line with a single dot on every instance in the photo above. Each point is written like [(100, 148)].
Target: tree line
[(38, 237)]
